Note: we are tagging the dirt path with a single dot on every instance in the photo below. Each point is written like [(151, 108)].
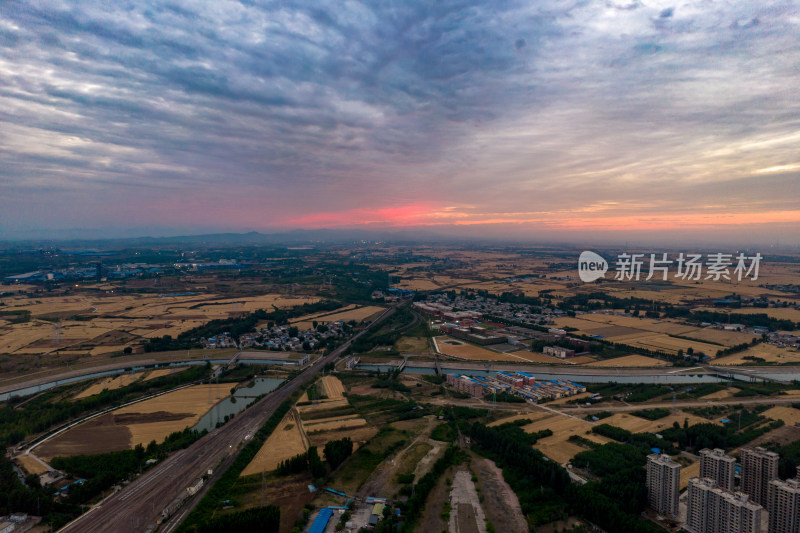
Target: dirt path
[(500, 502), (383, 474), (431, 520), (425, 464), (466, 515)]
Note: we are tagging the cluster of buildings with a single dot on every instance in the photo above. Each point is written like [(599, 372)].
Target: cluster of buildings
[(521, 384), (277, 338), (786, 340), (461, 315), (713, 503), (95, 270), (474, 334), (461, 307)]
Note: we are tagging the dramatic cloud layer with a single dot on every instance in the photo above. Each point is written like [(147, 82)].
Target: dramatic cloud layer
[(538, 116)]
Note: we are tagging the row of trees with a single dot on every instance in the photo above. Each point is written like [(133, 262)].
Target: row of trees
[(546, 493), (203, 512), (262, 519), (413, 507), (336, 451)]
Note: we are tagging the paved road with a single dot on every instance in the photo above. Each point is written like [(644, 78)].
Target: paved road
[(139, 504)]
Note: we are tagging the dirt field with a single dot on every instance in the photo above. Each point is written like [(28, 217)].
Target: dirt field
[(500, 502), (123, 380), (533, 416), (417, 284), (358, 314), (557, 447), (99, 435), (333, 387), (321, 405), (139, 423), (630, 361), (285, 442), (358, 435), (462, 350), (688, 472), (329, 424), (431, 519), (768, 352), (654, 333), (636, 424), (536, 357), (412, 344), (31, 465), (193, 402), (789, 415), (721, 394)]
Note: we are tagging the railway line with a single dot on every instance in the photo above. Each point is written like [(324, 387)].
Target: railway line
[(138, 506)]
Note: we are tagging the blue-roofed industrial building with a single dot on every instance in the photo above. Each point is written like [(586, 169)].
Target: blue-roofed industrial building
[(321, 521)]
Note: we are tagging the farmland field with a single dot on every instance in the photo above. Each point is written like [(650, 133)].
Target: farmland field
[(303, 427), (139, 423), (637, 424), (630, 361), (557, 447), (333, 387), (789, 415), (284, 443), (123, 380), (768, 352), (358, 314), (463, 350)]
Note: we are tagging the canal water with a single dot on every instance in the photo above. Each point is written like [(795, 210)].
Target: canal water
[(578, 378), (230, 406)]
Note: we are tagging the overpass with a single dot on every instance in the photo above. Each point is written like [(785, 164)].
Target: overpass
[(138, 505)]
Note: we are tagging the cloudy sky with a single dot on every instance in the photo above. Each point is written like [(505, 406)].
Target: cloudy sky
[(546, 117)]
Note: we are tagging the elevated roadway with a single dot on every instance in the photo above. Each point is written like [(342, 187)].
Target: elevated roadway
[(139, 505)]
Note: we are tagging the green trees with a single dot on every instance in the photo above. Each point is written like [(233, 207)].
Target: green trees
[(263, 519), (544, 488), (294, 465), (315, 464), (336, 451)]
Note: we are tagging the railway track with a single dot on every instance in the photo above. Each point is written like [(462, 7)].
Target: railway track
[(139, 505)]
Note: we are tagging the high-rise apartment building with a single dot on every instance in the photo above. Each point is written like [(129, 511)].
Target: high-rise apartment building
[(759, 467), (713, 509), (716, 465), (663, 479), (784, 506)]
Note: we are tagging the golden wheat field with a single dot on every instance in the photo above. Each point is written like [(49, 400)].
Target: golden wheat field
[(557, 447), (628, 361), (768, 352), (789, 415), (284, 443), (637, 424), (357, 313), (123, 380), (334, 389), (463, 350), (192, 402), (31, 465)]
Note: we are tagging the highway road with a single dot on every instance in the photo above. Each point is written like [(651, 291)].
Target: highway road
[(138, 505)]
